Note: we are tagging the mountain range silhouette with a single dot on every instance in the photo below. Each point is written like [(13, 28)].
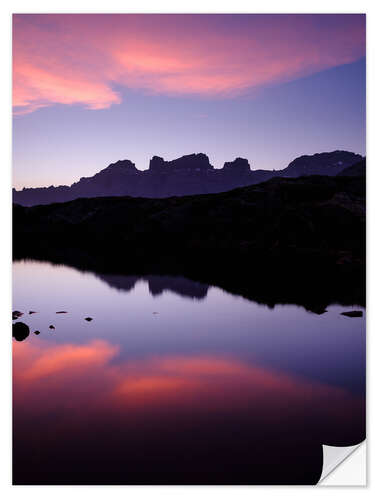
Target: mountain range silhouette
[(157, 285), (187, 175)]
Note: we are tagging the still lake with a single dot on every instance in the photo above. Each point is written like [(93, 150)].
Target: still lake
[(177, 382)]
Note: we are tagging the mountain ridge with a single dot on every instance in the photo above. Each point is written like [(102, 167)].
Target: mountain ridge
[(186, 175)]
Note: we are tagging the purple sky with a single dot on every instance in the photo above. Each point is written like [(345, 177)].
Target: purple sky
[(92, 89)]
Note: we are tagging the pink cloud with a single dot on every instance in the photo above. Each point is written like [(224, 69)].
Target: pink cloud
[(81, 59)]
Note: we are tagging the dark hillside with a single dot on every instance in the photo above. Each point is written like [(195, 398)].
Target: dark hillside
[(273, 237)]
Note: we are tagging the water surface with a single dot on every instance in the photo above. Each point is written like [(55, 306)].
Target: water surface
[(177, 382)]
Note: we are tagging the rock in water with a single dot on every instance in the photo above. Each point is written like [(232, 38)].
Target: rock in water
[(317, 309), (51, 327), (32, 312), (61, 312), (88, 318), (16, 314), (20, 331), (37, 332), (353, 314)]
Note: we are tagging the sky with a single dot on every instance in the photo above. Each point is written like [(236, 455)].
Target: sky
[(92, 89)]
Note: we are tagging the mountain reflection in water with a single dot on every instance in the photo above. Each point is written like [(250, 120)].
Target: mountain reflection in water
[(219, 390), (158, 284)]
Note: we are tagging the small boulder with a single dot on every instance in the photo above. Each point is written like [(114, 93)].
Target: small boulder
[(61, 312), (20, 331), (353, 314), (88, 318), (32, 312), (37, 332), (16, 314), (317, 309), (51, 327)]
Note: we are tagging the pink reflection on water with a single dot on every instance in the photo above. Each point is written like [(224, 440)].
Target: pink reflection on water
[(86, 378)]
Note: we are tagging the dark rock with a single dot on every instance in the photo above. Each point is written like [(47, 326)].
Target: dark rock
[(16, 314), (157, 164), (88, 319), (37, 332), (120, 166), (317, 310), (61, 312), (238, 166), (359, 169), (187, 163), (32, 312), (51, 327), (353, 314), (20, 331), (321, 164)]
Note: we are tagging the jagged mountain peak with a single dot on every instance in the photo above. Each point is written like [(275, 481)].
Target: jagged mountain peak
[(187, 175), (186, 162), (120, 165), (239, 164), (326, 163)]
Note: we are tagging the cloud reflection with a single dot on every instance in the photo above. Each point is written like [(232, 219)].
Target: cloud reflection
[(89, 374), (83, 415)]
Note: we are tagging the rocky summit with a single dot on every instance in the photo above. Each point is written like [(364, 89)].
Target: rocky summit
[(187, 175)]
